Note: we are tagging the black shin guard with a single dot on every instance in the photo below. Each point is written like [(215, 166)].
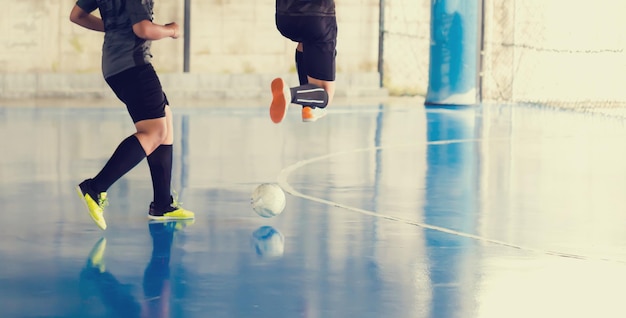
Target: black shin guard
[(309, 95)]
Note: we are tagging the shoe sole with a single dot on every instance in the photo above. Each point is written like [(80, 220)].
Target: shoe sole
[(310, 120), (102, 226), (278, 108), (168, 218), (314, 118), (183, 221)]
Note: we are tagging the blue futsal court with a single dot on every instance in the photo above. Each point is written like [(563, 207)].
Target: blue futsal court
[(393, 210)]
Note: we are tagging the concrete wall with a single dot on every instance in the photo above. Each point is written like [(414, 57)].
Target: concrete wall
[(233, 42), (227, 36)]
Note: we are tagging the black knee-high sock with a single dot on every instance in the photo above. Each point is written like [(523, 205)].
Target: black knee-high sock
[(302, 74), (309, 95), (160, 162), (127, 155)]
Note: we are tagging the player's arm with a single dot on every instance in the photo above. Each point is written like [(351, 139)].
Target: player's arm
[(86, 19), (148, 30)]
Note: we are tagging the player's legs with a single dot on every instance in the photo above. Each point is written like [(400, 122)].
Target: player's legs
[(156, 136), (306, 94), (309, 112), (164, 206), (328, 86), (309, 96), (315, 63), (169, 121), (159, 135), (312, 112), (300, 66), (129, 86), (151, 133), (320, 52), (160, 163), (148, 107), (318, 59), (140, 89)]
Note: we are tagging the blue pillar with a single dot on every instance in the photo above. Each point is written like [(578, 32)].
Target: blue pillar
[(454, 45)]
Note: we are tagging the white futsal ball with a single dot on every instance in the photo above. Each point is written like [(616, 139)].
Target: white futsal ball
[(268, 200)]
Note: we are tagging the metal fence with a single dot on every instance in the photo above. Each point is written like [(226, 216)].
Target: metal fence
[(565, 53), (404, 46)]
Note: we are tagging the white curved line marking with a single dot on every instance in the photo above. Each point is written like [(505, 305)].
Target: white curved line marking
[(283, 183)]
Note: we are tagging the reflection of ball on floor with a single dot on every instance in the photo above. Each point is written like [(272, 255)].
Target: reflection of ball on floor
[(268, 200), (268, 242)]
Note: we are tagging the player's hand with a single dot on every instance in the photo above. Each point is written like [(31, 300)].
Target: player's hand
[(175, 29)]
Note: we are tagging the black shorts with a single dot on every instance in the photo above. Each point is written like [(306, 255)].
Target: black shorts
[(318, 35), (140, 89)]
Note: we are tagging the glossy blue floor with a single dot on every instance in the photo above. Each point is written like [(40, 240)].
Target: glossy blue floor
[(393, 210)]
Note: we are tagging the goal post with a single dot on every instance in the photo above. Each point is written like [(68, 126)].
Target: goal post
[(453, 77)]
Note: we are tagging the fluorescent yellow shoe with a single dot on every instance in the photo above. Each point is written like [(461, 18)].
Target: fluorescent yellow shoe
[(177, 213), (173, 211), (96, 256), (281, 98), (311, 114), (95, 202)]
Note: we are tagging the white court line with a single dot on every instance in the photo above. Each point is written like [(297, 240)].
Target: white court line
[(284, 184)]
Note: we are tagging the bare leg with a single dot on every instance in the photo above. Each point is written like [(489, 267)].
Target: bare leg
[(151, 133)]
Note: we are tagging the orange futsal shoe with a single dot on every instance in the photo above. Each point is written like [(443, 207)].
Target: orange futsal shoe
[(311, 114), (281, 98)]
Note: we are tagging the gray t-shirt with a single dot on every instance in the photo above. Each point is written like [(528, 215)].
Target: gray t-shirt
[(122, 49)]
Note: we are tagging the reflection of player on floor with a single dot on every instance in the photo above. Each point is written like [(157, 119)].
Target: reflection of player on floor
[(128, 32), (116, 296), (313, 25)]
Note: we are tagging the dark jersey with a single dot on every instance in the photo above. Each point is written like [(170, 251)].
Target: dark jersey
[(122, 49), (305, 7)]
